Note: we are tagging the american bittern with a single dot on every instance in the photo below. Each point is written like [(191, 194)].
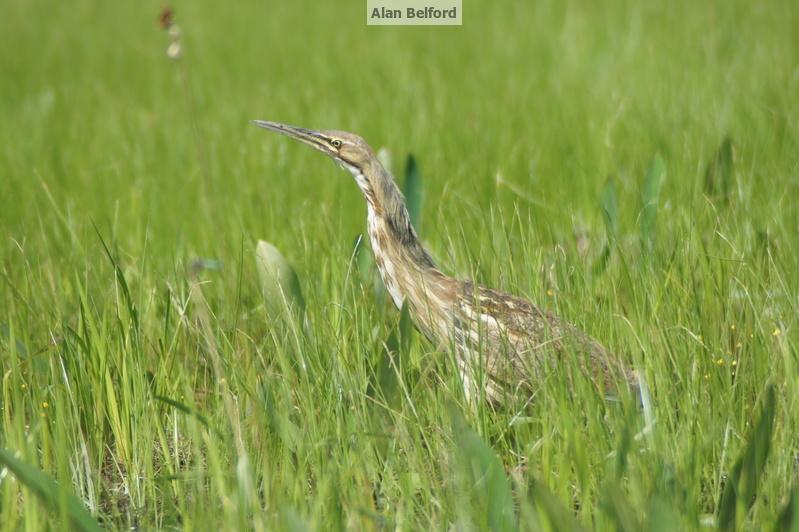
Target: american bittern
[(503, 343)]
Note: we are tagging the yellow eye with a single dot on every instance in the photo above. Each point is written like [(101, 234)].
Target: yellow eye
[(336, 143)]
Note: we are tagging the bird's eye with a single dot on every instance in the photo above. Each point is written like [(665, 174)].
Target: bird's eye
[(336, 143)]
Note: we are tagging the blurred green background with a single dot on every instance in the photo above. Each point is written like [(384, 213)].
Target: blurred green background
[(518, 120), (554, 95)]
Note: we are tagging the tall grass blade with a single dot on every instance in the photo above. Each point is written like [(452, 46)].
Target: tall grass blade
[(290, 520), (618, 509), (662, 516), (397, 346), (279, 282), (50, 492), (489, 484), (609, 205), (551, 513), (650, 197), (6, 336), (386, 159), (610, 210), (414, 194), (740, 490), (364, 261), (182, 408), (788, 520), (719, 172), (123, 283)]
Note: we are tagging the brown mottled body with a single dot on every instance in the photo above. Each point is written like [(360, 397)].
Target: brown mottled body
[(503, 343)]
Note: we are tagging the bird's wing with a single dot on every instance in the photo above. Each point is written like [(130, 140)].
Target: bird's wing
[(505, 316), (516, 336)]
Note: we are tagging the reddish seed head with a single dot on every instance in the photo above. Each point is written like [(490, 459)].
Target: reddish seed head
[(165, 20)]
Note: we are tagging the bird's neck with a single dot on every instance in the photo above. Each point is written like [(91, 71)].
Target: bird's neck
[(406, 268)]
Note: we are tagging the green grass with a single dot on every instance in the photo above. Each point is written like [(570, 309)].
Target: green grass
[(164, 396)]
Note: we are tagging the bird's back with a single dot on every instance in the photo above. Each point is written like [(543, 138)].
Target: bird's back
[(517, 343)]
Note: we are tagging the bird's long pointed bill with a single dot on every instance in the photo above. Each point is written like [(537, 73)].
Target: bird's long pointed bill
[(306, 136)]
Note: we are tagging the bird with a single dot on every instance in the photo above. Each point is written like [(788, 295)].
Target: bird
[(504, 344)]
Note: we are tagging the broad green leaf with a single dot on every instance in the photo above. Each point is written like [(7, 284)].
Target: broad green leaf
[(6, 334), (650, 197), (279, 282), (740, 491), (719, 173), (404, 330), (182, 408), (610, 210), (279, 423), (610, 214), (396, 349), (365, 263), (619, 510), (290, 520), (662, 517), (788, 520), (490, 487), (384, 156), (622, 451), (55, 497), (413, 192), (551, 513), (602, 262)]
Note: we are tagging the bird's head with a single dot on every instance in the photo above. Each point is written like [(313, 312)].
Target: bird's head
[(348, 149), (378, 187)]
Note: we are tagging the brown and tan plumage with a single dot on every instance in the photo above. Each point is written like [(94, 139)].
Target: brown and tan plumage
[(503, 343)]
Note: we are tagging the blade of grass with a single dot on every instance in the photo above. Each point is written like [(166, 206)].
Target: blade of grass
[(486, 475), (50, 492), (788, 520), (413, 191), (719, 172), (609, 205), (548, 508), (740, 490), (123, 283), (650, 197), (279, 282)]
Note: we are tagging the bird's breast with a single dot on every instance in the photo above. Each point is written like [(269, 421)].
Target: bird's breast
[(386, 263)]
